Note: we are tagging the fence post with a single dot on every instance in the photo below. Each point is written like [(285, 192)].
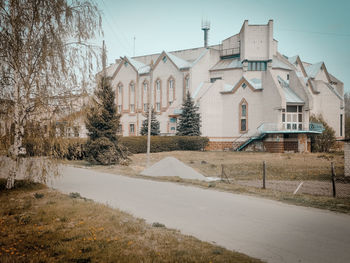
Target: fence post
[(222, 172), (264, 174), (333, 179)]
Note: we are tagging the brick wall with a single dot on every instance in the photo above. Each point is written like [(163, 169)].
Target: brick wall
[(274, 147), (290, 146), (220, 146)]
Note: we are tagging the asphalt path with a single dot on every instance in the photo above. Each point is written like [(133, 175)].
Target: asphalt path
[(261, 228)]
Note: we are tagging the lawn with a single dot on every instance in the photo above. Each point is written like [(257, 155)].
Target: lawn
[(38, 224)]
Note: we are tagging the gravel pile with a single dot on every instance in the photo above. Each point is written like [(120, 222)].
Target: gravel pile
[(171, 166)]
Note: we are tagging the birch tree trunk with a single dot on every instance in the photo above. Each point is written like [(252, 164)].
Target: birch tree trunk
[(44, 58)]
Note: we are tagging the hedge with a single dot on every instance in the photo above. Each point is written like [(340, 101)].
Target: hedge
[(75, 148), (138, 144), (69, 148)]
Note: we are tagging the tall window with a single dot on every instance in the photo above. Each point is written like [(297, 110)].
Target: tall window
[(158, 95), (120, 97), (257, 65), (145, 95), (292, 118), (132, 129), (171, 91), (145, 107), (243, 116), (132, 98)]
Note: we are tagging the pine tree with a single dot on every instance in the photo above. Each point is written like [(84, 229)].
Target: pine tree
[(102, 122), (154, 125), (189, 120)]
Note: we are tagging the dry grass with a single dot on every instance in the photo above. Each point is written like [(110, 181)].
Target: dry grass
[(245, 165), (248, 166), (41, 225)]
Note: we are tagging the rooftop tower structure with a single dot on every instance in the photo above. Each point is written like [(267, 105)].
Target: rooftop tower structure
[(205, 28)]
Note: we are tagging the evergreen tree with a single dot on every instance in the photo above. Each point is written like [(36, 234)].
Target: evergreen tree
[(154, 125), (102, 122), (189, 120)]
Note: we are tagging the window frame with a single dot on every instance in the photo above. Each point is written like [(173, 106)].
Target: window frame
[(243, 118)]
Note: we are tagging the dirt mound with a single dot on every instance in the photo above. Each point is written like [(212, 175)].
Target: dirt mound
[(171, 166)]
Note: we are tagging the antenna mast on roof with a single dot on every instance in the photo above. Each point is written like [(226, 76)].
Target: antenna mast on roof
[(134, 45), (205, 28)]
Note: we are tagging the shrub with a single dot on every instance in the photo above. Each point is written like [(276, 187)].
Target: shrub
[(69, 148), (325, 141), (192, 143), (138, 144)]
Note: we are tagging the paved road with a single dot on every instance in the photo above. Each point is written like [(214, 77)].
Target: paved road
[(261, 228)]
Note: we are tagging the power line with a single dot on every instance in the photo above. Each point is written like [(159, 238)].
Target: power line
[(126, 47)]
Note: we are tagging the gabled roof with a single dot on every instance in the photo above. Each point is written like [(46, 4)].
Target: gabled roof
[(256, 83), (179, 62), (290, 95), (227, 64), (313, 69), (139, 66), (253, 84), (293, 59), (277, 63)]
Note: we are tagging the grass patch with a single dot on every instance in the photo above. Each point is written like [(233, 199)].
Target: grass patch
[(59, 228)]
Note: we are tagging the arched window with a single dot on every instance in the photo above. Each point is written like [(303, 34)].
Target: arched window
[(132, 97), (243, 116), (171, 91), (120, 97), (145, 87), (187, 83), (158, 95)]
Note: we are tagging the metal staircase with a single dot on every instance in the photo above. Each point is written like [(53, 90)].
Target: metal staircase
[(250, 140)]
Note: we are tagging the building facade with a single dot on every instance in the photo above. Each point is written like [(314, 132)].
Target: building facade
[(250, 96)]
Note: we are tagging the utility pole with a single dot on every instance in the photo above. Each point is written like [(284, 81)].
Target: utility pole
[(149, 114)]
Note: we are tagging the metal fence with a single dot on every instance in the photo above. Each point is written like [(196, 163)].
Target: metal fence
[(305, 178)]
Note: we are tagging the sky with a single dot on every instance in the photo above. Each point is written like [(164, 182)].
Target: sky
[(316, 30)]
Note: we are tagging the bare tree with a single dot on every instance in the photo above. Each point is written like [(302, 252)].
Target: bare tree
[(44, 55)]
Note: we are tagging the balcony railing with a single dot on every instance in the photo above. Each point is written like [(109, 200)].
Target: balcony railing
[(278, 127), (230, 52)]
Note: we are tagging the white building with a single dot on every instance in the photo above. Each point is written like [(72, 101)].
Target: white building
[(249, 94)]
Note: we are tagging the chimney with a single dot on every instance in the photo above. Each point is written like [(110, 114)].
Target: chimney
[(205, 28)]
